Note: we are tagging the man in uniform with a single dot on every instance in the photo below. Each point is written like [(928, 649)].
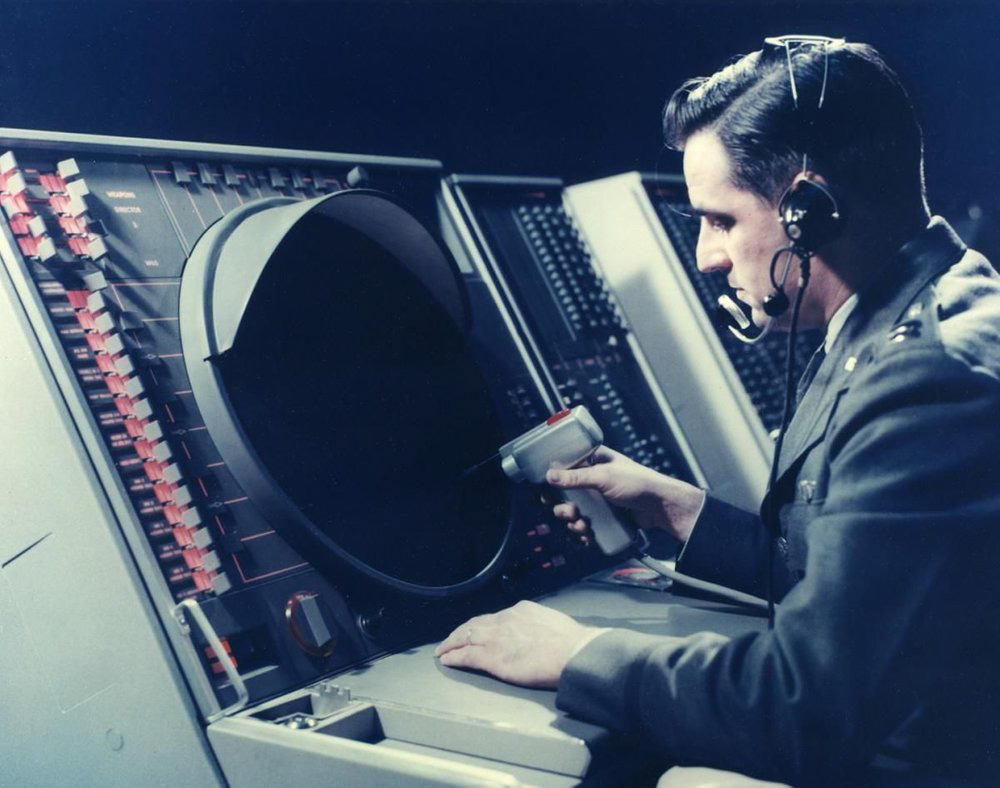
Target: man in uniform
[(883, 518)]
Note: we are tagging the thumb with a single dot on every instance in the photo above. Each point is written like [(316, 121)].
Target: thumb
[(572, 477)]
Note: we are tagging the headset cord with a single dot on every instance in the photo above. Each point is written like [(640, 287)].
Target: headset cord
[(773, 525)]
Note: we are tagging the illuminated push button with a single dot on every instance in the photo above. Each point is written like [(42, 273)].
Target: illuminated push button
[(114, 344), (96, 302), (36, 226), (96, 248), (8, 162), (153, 432), (171, 473), (134, 387), (319, 180), (210, 561), (229, 175), (143, 410), (182, 495), (105, 323), (220, 584), (124, 366), (191, 519), (202, 538), (68, 168), (78, 189), (16, 184), (162, 452), (74, 206), (46, 249), (298, 179)]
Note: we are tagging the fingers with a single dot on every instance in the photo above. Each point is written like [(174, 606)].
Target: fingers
[(463, 636), (470, 645), (474, 657), (566, 511)]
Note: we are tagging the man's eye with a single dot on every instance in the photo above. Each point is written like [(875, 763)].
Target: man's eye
[(719, 223)]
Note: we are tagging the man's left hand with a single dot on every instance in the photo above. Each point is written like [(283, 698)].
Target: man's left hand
[(526, 644)]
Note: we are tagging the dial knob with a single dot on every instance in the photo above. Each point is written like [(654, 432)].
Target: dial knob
[(311, 623)]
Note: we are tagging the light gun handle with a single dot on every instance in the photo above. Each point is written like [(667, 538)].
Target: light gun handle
[(611, 535)]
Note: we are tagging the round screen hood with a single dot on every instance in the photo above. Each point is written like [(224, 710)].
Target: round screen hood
[(326, 343)]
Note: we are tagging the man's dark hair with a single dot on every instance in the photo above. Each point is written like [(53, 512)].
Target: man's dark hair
[(865, 139)]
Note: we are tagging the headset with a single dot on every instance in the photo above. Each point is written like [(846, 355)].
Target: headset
[(811, 217), (808, 211)]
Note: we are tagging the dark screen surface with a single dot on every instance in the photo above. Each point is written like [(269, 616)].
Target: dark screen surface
[(360, 396)]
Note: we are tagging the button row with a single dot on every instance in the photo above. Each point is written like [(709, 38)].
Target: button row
[(209, 176), (172, 498), (64, 191)]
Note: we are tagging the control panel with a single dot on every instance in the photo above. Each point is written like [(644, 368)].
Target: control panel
[(518, 230), (296, 493)]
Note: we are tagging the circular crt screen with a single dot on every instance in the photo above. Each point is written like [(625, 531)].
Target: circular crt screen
[(360, 396)]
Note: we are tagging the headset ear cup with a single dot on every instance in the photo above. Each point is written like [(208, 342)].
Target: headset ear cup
[(810, 215)]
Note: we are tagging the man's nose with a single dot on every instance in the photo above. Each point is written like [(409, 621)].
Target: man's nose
[(710, 253)]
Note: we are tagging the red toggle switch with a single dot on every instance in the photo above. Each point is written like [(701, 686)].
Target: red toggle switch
[(53, 184), (29, 245), (154, 470), (77, 298), (14, 204), (106, 364), (72, 226), (79, 246), (19, 225)]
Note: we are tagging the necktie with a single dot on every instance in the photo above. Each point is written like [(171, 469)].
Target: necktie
[(809, 372)]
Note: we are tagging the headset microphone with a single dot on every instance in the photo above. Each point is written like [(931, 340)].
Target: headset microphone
[(733, 316), (776, 303)]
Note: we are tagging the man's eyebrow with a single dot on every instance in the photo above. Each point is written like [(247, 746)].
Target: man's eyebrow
[(710, 213)]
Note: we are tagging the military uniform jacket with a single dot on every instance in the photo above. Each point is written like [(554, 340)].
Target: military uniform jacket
[(886, 648)]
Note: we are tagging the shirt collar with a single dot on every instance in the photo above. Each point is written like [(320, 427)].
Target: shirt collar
[(837, 321)]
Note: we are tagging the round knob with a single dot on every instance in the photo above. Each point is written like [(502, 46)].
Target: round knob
[(371, 622), (311, 623)]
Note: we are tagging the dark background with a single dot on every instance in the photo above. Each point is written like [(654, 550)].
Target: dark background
[(569, 88)]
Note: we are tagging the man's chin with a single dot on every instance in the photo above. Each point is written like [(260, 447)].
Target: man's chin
[(759, 317)]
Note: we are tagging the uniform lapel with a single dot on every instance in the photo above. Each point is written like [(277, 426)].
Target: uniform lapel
[(879, 307)]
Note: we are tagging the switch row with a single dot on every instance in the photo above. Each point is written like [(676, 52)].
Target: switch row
[(192, 544), (208, 175)]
